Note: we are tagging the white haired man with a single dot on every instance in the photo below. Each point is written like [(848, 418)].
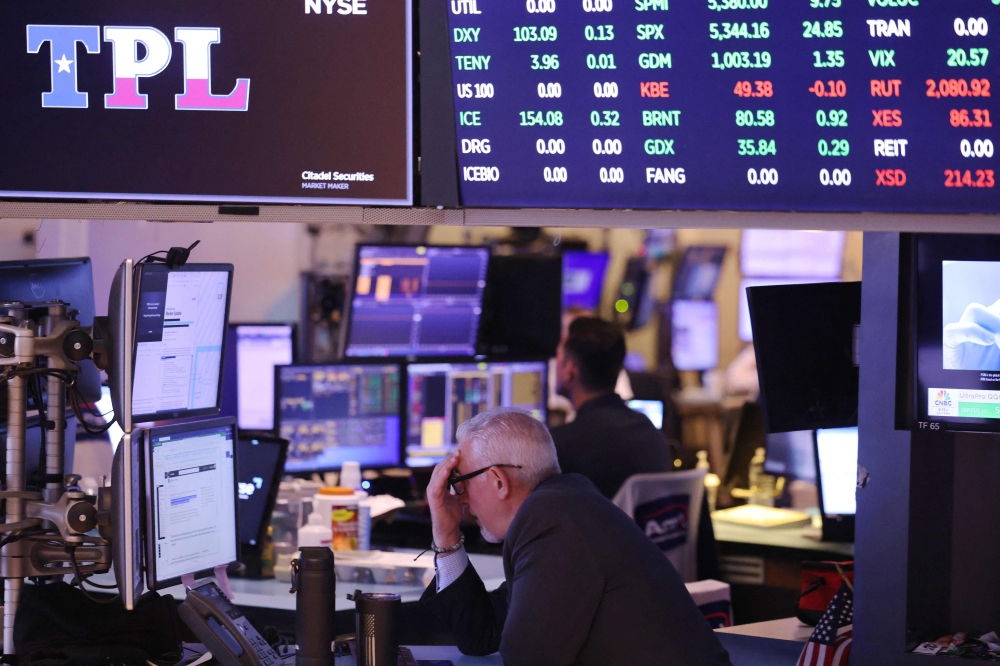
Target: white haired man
[(584, 585)]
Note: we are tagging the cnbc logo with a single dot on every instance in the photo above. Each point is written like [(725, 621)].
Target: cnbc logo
[(943, 398), (940, 403)]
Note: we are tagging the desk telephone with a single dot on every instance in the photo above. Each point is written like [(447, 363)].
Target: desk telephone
[(223, 629)]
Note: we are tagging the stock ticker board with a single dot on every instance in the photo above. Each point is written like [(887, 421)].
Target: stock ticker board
[(801, 105)]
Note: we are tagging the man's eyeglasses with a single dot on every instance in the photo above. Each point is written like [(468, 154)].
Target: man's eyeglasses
[(457, 483)]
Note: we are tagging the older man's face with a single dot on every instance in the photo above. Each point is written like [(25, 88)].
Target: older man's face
[(480, 496)]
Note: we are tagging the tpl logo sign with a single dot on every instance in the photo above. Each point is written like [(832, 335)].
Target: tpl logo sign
[(129, 68)]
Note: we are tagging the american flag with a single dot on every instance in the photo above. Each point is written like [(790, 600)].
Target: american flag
[(830, 643)]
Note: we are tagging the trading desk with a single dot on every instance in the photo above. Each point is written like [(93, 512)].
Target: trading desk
[(764, 566)]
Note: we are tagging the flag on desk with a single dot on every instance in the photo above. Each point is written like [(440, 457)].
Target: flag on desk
[(830, 643)]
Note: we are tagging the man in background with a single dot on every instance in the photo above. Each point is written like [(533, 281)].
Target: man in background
[(607, 442)]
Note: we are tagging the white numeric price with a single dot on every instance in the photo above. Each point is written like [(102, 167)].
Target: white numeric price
[(555, 174), (541, 6), (973, 27), (597, 5), (549, 90), (762, 176), (606, 89), (838, 177), (550, 147), (977, 148), (607, 147), (612, 175)]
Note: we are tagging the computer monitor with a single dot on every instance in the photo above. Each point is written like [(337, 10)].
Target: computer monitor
[(745, 328), (792, 455), (583, 278), (652, 409), (837, 473), (260, 463), (805, 340), (252, 352), (698, 273), (37, 280), (787, 253), (333, 413), (522, 315), (442, 396), (191, 514), (67, 280), (695, 335), (180, 332), (416, 300)]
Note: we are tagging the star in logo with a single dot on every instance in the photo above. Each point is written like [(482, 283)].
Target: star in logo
[(64, 64)]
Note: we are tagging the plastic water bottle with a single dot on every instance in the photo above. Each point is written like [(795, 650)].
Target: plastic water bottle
[(316, 532)]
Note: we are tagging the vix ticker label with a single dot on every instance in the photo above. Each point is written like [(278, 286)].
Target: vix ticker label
[(968, 404), (128, 67)]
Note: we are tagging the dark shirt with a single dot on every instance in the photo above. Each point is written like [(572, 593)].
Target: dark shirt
[(608, 443), (584, 587)]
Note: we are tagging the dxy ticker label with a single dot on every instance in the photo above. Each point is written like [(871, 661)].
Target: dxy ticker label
[(797, 105)]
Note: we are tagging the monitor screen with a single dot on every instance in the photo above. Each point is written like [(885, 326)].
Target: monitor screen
[(258, 349), (729, 105), (957, 356), (416, 300), (522, 315), (652, 409), (442, 396), (805, 340), (698, 273), (695, 336), (837, 457), (745, 328), (791, 454), (583, 278), (68, 280), (260, 462), (191, 522), (797, 254), (245, 102), (333, 413), (180, 329)]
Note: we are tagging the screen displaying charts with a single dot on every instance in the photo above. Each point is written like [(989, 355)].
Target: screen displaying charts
[(443, 396), (333, 413), (180, 324), (813, 105), (417, 300), (306, 101)]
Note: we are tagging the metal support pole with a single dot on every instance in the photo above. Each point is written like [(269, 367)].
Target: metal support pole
[(16, 416), (55, 437)]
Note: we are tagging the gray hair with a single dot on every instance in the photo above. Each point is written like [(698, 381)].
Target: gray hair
[(508, 435)]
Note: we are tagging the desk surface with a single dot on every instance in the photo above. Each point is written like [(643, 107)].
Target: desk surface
[(274, 594), (797, 538)]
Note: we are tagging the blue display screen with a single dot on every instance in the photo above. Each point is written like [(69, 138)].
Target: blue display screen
[(417, 300), (583, 278), (806, 105)]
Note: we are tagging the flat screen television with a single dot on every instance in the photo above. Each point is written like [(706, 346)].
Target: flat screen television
[(303, 102), (957, 315), (792, 254)]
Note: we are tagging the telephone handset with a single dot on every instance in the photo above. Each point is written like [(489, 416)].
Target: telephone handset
[(223, 629)]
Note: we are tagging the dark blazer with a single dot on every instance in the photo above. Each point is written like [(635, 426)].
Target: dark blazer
[(585, 586), (608, 443)]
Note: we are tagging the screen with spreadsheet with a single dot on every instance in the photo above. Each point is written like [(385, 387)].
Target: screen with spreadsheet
[(259, 348), (416, 300), (443, 396), (333, 413)]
